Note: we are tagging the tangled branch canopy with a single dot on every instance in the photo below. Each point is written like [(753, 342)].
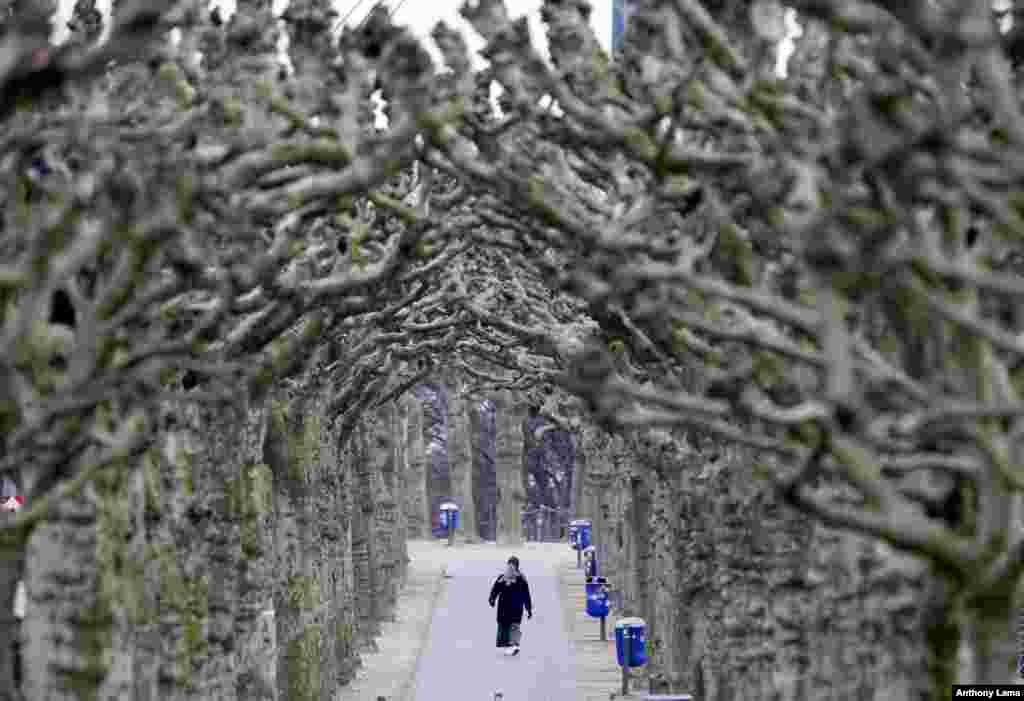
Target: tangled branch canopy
[(823, 268)]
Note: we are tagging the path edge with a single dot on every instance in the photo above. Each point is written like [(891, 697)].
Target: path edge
[(567, 625), (441, 585)]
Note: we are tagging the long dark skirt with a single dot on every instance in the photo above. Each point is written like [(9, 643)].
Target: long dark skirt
[(508, 634)]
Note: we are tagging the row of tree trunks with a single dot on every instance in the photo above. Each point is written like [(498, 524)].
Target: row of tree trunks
[(246, 555), (490, 494)]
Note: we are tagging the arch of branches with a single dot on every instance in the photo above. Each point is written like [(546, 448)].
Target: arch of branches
[(822, 268)]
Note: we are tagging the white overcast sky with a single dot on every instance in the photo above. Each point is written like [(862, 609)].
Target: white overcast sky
[(422, 15)]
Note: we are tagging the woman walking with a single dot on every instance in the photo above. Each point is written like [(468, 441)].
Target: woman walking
[(512, 592)]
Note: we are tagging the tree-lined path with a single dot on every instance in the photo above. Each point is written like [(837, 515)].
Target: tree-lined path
[(262, 314), (460, 660)]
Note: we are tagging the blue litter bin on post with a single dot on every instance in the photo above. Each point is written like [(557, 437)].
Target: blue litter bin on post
[(636, 630), (590, 561), (579, 537), (450, 519), (597, 597), (579, 533), (584, 537)]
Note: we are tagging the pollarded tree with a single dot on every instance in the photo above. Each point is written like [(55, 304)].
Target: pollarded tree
[(176, 229), (819, 267)]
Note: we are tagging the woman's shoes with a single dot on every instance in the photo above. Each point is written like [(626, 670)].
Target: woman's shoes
[(512, 651)]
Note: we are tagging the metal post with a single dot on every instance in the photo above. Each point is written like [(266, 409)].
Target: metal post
[(451, 534), (627, 650), (604, 636), (579, 557)]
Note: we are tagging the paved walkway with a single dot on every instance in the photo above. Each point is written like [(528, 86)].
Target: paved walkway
[(441, 645), (461, 662), (389, 672), (599, 676)]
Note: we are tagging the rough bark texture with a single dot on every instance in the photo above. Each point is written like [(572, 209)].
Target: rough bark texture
[(438, 474), (743, 597), (484, 469), (473, 424), (461, 465), (12, 555), (510, 467), (229, 562), (263, 550), (417, 502), (387, 547), (399, 484)]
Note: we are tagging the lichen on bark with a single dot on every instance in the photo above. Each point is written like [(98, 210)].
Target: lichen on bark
[(186, 598), (302, 661), (121, 578), (251, 496), (193, 610), (181, 459), (303, 592), (93, 640), (152, 489)]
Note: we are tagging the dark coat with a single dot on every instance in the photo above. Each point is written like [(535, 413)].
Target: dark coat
[(512, 599)]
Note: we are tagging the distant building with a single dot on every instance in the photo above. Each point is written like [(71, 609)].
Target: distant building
[(621, 10)]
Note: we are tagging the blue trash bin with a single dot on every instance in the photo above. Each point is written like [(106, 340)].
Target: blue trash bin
[(449, 516), (579, 533), (590, 561), (636, 629), (584, 538), (597, 597)]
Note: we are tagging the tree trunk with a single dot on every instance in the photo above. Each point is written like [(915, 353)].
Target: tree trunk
[(400, 428), (439, 482), (942, 633), (460, 459), (486, 472), (12, 552), (578, 474), (988, 642), (479, 497), (509, 466), (292, 453), (380, 457), (68, 622), (417, 503)]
